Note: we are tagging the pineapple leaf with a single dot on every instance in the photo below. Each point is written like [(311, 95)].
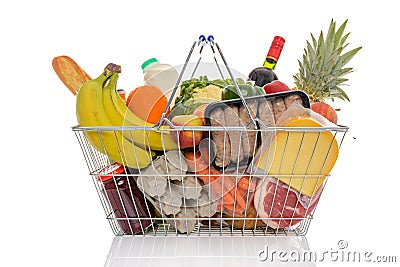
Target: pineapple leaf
[(330, 46), (314, 41), (343, 40), (341, 94), (345, 58), (338, 35), (321, 70)]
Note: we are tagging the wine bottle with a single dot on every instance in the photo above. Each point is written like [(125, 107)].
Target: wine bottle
[(274, 53), (265, 74)]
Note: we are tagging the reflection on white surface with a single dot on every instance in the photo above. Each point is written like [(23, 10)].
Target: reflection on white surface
[(203, 251)]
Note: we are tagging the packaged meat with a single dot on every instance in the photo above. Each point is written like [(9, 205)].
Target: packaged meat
[(232, 112), (221, 141), (279, 206), (235, 148)]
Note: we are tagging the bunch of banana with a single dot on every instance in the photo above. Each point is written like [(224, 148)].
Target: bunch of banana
[(146, 136), (90, 111)]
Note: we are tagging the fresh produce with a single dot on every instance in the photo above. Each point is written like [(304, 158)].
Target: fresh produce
[(187, 138), (168, 161), (147, 102), (251, 221), (245, 183), (200, 112), (247, 90), (174, 195), (120, 115), (188, 107), (90, 112), (275, 87), (223, 188), (322, 68), (70, 73), (204, 88), (325, 110), (210, 91)]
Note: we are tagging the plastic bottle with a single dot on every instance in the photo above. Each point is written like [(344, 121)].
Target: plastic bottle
[(265, 74), (164, 76)]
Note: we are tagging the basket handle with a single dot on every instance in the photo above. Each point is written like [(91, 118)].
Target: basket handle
[(202, 42), (253, 120)]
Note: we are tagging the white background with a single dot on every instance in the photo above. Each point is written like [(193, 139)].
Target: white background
[(50, 213)]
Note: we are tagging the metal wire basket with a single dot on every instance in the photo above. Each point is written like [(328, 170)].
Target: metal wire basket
[(272, 190)]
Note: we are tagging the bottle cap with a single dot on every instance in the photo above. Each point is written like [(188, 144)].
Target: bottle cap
[(276, 48), (148, 62), (107, 173)]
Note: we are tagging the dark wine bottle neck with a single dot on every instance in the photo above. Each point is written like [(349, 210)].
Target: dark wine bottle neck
[(269, 63)]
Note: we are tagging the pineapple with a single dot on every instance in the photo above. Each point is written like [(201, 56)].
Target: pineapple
[(321, 72)]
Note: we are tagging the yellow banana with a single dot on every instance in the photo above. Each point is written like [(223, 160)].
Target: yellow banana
[(121, 115), (90, 112)]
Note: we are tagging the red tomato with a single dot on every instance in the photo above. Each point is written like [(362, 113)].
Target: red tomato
[(275, 87), (325, 110)]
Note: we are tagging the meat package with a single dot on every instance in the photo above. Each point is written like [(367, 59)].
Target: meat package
[(279, 206), (234, 149)]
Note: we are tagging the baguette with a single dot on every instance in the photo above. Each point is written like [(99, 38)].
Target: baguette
[(70, 73)]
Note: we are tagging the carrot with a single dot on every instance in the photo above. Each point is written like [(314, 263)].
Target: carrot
[(234, 210), (207, 174), (229, 198), (246, 184), (229, 183), (238, 196), (195, 162), (211, 176)]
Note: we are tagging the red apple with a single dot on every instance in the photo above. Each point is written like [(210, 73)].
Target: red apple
[(325, 110), (199, 111), (275, 87), (187, 138)]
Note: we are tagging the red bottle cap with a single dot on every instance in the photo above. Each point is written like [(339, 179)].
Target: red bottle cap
[(114, 168), (276, 48)]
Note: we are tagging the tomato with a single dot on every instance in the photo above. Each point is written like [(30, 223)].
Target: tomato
[(325, 110), (275, 87)]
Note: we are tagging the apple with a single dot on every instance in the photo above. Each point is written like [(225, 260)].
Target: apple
[(275, 87), (325, 110), (199, 111), (187, 138)]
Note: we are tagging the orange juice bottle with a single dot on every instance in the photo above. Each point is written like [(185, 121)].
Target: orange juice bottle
[(162, 75), (147, 102)]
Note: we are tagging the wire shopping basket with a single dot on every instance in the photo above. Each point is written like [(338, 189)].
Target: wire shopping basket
[(241, 174)]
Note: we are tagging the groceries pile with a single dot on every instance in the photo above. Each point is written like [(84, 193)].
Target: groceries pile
[(210, 154)]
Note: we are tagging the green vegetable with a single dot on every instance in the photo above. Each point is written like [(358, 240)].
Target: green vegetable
[(259, 90), (188, 87), (247, 90), (188, 107)]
